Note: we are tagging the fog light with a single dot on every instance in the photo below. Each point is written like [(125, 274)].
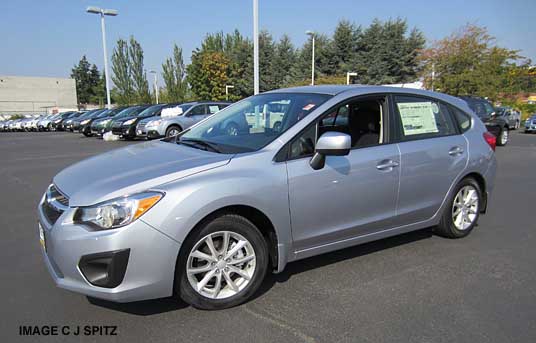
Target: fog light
[(105, 269)]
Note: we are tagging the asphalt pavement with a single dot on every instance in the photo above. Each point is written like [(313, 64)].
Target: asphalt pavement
[(412, 288)]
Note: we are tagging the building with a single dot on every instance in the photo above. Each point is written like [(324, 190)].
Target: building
[(36, 95)]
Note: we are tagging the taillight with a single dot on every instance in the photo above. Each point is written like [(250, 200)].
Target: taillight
[(490, 139)]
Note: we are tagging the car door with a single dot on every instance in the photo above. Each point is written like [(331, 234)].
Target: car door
[(432, 155), (197, 113), (351, 196)]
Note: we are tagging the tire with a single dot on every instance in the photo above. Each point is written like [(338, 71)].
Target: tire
[(87, 134), (173, 130), (210, 297), (502, 140), (232, 129), (451, 228)]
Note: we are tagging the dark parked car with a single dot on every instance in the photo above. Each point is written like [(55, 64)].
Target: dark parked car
[(76, 123), (126, 127), (57, 123), (495, 124)]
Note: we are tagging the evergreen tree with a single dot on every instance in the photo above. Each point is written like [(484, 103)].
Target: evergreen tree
[(138, 73), (283, 61), (87, 80), (121, 67), (174, 75)]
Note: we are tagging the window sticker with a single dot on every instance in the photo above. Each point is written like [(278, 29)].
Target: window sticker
[(171, 112), (418, 117), (308, 107), (213, 108)]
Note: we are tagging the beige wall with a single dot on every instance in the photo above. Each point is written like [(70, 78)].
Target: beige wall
[(21, 94)]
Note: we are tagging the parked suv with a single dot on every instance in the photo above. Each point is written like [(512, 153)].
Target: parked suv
[(206, 214), (495, 123), (512, 116), (530, 124), (127, 129), (187, 115)]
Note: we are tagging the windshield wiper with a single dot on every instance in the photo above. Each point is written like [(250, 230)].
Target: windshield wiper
[(199, 142)]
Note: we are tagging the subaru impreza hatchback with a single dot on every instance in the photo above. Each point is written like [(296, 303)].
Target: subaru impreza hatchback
[(308, 170)]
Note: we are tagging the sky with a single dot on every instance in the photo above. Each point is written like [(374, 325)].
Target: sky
[(46, 38)]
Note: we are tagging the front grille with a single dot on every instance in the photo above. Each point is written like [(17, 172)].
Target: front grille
[(56, 194), (117, 124), (50, 212), (54, 204), (141, 125)]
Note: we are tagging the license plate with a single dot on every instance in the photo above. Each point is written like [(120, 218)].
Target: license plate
[(42, 239)]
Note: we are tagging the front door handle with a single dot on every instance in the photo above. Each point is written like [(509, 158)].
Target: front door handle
[(386, 165), (455, 151)]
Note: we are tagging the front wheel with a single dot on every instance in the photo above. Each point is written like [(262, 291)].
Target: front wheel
[(222, 264), (173, 130), (503, 137), (461, 215)]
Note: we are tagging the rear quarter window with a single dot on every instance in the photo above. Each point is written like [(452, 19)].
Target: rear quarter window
[(462, 119)]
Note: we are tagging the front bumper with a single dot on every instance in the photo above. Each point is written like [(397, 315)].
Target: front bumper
[(149, 272), (530, 128), (125, 131)]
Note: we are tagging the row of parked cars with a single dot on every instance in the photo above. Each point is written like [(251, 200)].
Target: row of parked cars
[(140, 121)]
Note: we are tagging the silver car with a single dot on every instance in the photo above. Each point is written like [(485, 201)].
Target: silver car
[(206, 214), (187, 114)]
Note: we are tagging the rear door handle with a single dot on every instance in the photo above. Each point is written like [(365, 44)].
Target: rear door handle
[(386, 165), (455, 151)]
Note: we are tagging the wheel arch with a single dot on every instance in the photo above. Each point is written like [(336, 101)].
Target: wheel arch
[(482, 184), (254, 215)]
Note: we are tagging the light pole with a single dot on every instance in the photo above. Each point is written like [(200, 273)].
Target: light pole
[(103, 12), (348, 74), (155, 84), (312, 34), (227, 87), (255, 46)]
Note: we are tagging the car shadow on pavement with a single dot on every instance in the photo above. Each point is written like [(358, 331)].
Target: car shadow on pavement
[(341, 255), (142, 308), (157, 306)]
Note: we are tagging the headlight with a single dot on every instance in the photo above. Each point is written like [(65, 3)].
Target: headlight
[(84, 122), (154, 122), (130, 121), (57, 121), (117, 212)]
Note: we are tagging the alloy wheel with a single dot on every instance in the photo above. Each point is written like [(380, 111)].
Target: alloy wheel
[(465, 207), (504, 137), (221, 265)]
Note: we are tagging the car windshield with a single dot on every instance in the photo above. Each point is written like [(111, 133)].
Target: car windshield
[(150, 111), (252, 123), (130, 111)]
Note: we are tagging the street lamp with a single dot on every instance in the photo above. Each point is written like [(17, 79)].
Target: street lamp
[(155, 84), (103, 12), (312, 34), (348, 74), (255, 46), (227, 87)]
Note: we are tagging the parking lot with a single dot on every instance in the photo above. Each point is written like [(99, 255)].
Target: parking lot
[(413, 288)]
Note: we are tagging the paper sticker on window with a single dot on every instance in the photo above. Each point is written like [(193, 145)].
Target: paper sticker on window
[(417, 118), (171, 112), (213, 108), (308, 107)]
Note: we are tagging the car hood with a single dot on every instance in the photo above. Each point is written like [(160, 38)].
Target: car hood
[(132, 169)]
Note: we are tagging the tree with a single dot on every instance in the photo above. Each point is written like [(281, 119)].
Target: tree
[(207, 75), (138, 73), (87, 78), (121, 67), (174, 75), (468, 62), (283, 61), (344, 47), (266, 57), (387, 54)]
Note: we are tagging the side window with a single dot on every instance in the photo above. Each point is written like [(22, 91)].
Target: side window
[(361, 119), (463, 119), (213, 109), (197, 110), (222, 106), (421, 118), (304, 144)]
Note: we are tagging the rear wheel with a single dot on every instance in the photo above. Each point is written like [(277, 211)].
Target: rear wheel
[(222, 264), (502, 140), (461, 215), (173, 130)]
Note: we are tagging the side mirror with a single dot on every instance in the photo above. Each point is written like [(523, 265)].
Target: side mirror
[(330, 144)]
